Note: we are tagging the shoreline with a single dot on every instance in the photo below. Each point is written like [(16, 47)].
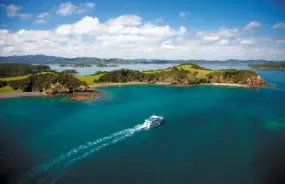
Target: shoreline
[(229, 85), (126, 84), (175, 85), (37, 94), (21, 94)]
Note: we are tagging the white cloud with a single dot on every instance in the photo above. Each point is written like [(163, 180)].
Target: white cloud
[(228, 36), (228, 33), (131, 20), (223, 42), (13, 11), (211, 38), (246, 42), (41, 18), (252, 25), (280, 41), (40, 21), (184, 15), (279, 25), (43, 15), (129, 36), (68, 8), (24, 16), (89, 5), (122, 25)]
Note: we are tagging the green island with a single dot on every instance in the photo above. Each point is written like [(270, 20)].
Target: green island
[(40, 80), (76, 65), (269, 66), (180, 75), (52, 83), (105, 65)]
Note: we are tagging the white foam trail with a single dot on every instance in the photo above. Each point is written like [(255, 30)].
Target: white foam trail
[(57, 178), (130, 133), (83, 147)]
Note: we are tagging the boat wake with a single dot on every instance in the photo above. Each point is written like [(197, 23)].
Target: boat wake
[(85, 150)]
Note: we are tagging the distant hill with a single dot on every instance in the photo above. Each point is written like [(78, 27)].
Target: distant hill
[(267, 66), (43, 59)]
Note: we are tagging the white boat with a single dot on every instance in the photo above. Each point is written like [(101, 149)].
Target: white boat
[(153, 121)]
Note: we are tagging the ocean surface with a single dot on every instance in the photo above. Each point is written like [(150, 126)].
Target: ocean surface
[(212, 135)]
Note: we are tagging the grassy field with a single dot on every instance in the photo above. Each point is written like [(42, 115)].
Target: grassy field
[(8, 89), (201, 73), (14, 78), (89, 79), (19, 77), (156, 71)]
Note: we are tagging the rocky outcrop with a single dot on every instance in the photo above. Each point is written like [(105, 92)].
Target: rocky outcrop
[(84, 96), (250, 81), (82, 93), (59, 89), (255, 81)]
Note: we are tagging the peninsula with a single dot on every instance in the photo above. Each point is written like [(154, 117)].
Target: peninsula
[(54, 83), (180, 75), (39, 80)]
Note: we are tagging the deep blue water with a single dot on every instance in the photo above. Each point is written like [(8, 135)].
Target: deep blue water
[(212, 135)]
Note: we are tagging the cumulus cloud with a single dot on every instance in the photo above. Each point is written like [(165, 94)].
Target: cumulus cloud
[(13, 11), (122, 25), (68, 8), (129, 36), (228, 36), (279, 25), (184, 15)]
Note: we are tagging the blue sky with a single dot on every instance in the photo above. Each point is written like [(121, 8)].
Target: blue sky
[(164, 29)]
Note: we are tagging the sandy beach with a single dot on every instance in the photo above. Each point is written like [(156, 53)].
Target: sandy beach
[(227, 84), (127, 83), (20, 94), (162, 83)]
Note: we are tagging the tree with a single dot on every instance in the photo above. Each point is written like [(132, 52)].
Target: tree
[(70, 71), (16, 69)]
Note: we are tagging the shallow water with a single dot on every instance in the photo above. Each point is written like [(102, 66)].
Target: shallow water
[(213, 135)]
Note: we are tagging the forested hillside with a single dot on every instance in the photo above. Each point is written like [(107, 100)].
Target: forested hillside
[(16, 69)]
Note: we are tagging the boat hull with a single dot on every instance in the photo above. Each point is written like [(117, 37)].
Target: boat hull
[(155, 124)]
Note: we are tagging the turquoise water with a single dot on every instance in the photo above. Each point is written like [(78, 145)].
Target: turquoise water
[(212, 135)]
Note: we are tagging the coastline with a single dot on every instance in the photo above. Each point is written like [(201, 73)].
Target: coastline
[(36, 94), (175, 85), (229, 85), (126, 84), (20, 94)]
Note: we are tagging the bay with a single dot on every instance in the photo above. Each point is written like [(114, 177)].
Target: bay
[(211, 135)]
